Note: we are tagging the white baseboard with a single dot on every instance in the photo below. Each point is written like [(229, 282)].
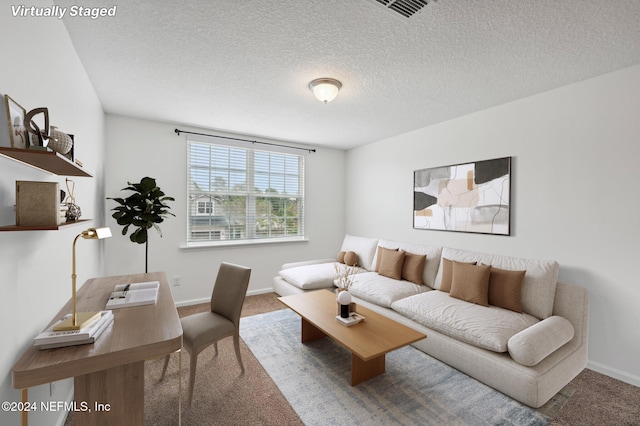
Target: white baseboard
[(207, 299), (612, 372), (260, 291), (63, 418)]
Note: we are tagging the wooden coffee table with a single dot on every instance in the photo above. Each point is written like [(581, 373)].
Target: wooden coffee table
[(367, 341)]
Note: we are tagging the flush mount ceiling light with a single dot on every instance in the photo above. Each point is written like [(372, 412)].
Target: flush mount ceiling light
[(325, 89)]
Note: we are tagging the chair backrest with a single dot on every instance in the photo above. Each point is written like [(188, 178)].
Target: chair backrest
[(229, 291)]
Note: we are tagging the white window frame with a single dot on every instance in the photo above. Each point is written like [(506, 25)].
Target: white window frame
[(231, 233)]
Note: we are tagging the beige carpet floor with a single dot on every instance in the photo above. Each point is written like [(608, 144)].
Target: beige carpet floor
[(223, 396)]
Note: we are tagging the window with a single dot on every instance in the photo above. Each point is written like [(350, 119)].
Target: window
[(239, 194), (204, 207)]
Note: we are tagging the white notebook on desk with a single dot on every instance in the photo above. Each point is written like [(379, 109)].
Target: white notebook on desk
[(136, 294)]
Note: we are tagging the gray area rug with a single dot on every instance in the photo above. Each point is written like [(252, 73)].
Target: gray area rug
[(415, 390)]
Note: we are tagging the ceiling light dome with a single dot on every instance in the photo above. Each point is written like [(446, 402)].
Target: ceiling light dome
[(325, 89)]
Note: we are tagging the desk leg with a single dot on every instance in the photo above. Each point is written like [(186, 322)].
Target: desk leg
[(113, 397), (180, 387), (24, 415)]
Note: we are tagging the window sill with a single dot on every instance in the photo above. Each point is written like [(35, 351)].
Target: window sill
[(235, 243)]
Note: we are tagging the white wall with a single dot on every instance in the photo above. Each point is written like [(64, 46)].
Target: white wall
[(40, 68), (574, 198), (139, 148), (574, 195)]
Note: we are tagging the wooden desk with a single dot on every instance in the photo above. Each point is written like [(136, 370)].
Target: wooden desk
[(111, 370)]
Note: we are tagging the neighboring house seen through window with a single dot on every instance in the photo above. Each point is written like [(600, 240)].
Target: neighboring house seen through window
[(239, 193)]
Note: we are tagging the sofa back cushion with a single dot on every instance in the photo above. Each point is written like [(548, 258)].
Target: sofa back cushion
[(432, 253), (365, 248), (538, 285)]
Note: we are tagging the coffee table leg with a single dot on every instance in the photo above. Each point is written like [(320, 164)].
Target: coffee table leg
[(365, 370), (310, 332)]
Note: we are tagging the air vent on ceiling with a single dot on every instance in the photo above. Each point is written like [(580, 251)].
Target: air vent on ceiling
[(406, 8)]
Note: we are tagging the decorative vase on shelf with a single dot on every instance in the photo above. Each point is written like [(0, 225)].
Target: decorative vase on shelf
[(73, 211), (59, 141)]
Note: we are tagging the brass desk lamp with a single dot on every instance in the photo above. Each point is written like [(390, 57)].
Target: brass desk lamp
[(81, 319)]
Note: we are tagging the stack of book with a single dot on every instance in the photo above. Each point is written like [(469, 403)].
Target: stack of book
[(50, 339), (353, 319), (62, 214), (136, 294)]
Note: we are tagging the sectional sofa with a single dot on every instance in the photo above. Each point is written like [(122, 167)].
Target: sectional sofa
[(503, 320)]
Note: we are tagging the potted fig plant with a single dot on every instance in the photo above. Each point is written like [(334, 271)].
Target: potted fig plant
[(142, 210)]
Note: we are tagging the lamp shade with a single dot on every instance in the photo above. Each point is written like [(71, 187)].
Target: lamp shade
[(325, 89), (344, 298), (96, 233)]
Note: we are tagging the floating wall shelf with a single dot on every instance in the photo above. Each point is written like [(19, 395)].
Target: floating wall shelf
[(41, 228), (48, 161)]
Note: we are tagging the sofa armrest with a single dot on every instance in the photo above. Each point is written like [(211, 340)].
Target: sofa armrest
[(307, 262), (535, 343)]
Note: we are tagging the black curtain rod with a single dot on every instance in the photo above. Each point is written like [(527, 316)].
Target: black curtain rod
[(178, 131)]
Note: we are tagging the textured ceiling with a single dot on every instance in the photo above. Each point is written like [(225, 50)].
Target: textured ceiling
[(244, 66)]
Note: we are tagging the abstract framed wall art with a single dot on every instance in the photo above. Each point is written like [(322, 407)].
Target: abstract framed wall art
[(469, 197)]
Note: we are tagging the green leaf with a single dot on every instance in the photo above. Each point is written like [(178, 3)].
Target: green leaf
[(139, 236)]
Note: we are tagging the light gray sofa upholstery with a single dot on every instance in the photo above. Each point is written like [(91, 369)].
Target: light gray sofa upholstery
[(545, 363)]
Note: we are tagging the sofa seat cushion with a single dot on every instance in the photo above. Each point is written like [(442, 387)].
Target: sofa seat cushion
[(381, 290), (488, 327), (312, 277)]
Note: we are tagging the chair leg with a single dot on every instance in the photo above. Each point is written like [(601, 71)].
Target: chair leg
[(192, 374), (164, 367), (236, 343), (215, 345)]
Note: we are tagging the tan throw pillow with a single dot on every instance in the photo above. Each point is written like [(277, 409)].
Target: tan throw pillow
[(505, 289), (379, 258), (341, 256), (470, 283), (413, 267), (351, 258), (447, 268), (391, 264)]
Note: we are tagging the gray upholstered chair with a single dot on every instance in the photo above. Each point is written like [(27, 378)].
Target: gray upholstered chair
[(206, 328)]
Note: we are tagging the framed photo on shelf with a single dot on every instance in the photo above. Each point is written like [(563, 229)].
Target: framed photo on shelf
[(15, 118)]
